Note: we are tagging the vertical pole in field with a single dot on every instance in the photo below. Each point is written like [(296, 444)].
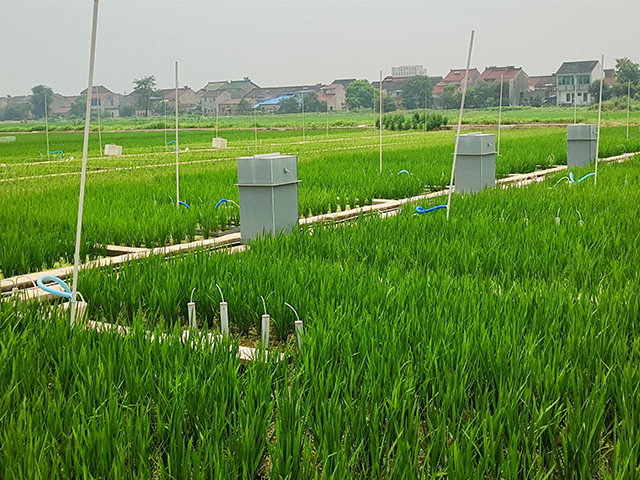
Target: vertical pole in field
[(575, 99), (500, 113), (99, 129), (165, 121), (595, 179), (425, 110), (328, 118), (217, 112), (83, 176), (455, 151), (46, 124), (255, 125), (177, 145), (303, 130), (628, 104), (381, 121)]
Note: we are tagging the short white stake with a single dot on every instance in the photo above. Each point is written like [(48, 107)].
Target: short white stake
[(224, 318), (299, 332), (266, 319)]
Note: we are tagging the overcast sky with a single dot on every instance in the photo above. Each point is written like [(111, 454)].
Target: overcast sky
[(289, 42)]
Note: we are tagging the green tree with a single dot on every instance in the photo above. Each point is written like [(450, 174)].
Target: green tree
[(487, 94), (414, 90), (594, 91), (78, 107), (450, 98), (16, 111), (144, 89), (388, 103), (360, 94), (244, 107), (626, 71), (312, 104), (289, 105), (130, 111), (38, 95)]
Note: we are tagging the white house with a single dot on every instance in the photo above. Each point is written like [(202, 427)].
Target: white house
[(573, 81)]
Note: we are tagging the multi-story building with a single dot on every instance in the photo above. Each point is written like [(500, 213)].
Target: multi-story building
[(405, 71), (573, 81)]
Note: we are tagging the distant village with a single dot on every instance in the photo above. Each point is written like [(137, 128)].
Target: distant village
[(569, 85)]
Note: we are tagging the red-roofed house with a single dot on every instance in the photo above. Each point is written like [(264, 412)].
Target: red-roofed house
[(455, 77), (516, 81), (334, 95)]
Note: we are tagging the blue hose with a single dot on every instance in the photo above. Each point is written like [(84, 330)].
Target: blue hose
[(48, 278), (573, 180), (404, 171), (57, 151), (172, 141), (180, 202), (421, 210), (221, 201)]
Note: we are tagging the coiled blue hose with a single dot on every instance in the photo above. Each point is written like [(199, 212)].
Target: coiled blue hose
[(57, 151), (421, 210), (572, 180), (180, 202), (48, 278)]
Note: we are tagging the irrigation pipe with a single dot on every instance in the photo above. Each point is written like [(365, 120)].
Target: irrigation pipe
[(455, 152), (85, 150), (421, 210)]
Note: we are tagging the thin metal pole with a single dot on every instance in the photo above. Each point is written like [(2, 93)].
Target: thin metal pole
[(575, 100), (455, 150), (425, 111), (83, 176), (628, 104), (99, 129), (217, 107), (165, 121), (595, 179), (500, 113), (303, 130), (381, 121), (327, 118), (255, 125), (177, 145), (46, 124)]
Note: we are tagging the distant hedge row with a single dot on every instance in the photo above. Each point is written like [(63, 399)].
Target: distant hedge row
[(415, 121)]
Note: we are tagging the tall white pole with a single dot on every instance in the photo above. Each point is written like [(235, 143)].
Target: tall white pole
[(99, 130), (595, 179), (455, 151), (46, 124), (500, 113), (425, 111), (177, 145), (165, 121), (575, 99), (381, 121), (327, 118), (255, 125), (217, 111), (628, 104), (83, 176), (303, 130)]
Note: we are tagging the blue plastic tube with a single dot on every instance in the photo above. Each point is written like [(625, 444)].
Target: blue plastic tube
[(48, 278), (421, 210)]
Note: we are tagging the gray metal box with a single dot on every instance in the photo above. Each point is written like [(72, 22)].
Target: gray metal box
[(581, 144), (268, 191), (476, 162)]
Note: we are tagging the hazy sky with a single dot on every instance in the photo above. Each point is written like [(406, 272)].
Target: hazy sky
[(287, 42)]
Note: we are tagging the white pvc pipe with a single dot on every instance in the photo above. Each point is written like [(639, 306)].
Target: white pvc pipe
[(83, 176), (265, 330), (500, 112), (628, 104), (224, 318), (381, 121), (455, 150), (575, 99), (299, 328), (99, 131), (595, 178), (46, 124), (177, 146), (303, 126), (191, 313)]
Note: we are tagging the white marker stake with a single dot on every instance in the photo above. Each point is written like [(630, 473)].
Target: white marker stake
[(500, 113), (83, 176), (628, 104), (177, 147), (299, 327), (595, 179), (455, 151), (191, 313), (224, 318), (265, 330), (46, 124), (381, 126)]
